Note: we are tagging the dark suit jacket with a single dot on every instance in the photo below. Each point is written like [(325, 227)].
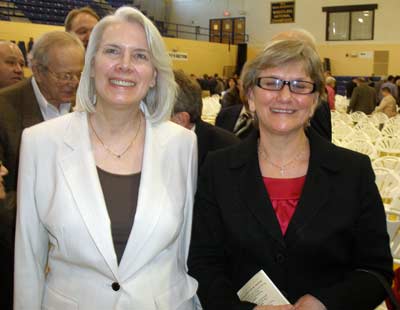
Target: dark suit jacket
[(211, 138), (7, 231), (363, 99), (18, 109), (339, 226), (321, 120), (227, 118)]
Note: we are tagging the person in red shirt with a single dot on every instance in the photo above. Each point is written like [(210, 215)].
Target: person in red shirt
[(330, 90)]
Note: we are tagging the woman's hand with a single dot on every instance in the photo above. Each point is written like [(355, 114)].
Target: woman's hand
[(308, 302), (283, 307)]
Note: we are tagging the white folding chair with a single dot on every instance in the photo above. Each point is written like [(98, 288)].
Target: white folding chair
[(393, 228), (388, 185), (388, 146), (362, 146), (357, 116), (388, 162), (340, 130)]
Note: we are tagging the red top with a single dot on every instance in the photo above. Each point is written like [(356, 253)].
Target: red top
[(284, 195)]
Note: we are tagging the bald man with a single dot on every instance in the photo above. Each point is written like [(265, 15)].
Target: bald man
[(11, 64)]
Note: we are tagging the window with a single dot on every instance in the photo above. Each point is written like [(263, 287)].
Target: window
[(354, 22)]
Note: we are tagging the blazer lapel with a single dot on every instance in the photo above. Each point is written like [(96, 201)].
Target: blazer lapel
[(155, 176), (252, 190), (79, 168), (317, 187)]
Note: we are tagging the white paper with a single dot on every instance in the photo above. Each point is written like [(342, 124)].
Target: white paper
[(260, 290)]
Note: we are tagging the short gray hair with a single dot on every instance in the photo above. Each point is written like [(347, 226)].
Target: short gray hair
[(159, 99), (280, 53), (39, 54), (189, 97), (296, 34), (330, 80)]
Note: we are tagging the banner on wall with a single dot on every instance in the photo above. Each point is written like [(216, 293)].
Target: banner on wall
[(282, 12), (178, 56)]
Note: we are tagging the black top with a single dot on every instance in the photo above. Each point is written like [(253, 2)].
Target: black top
[(121, 196)]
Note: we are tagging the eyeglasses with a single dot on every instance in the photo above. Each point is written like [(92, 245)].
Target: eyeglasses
[(295, 86), (64, 76)]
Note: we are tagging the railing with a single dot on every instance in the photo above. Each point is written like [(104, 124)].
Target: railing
[(10, 8), (190, 32)]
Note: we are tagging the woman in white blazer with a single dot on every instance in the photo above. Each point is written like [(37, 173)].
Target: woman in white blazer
[(105, 193)]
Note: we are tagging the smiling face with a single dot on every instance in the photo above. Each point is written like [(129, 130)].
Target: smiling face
[(122, 66), (282, 112)]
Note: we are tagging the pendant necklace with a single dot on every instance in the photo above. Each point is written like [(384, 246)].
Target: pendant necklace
[(117, 155), (281, 168)]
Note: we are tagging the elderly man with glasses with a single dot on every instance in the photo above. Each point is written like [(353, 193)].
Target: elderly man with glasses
[(56, 61)]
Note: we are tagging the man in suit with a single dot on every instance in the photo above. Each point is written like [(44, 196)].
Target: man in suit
[(11, 64), (57, 61), (187, 113), (236, 119), (81, 22), (363, 98)]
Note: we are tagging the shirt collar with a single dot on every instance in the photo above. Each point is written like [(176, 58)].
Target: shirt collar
[(45, 106)]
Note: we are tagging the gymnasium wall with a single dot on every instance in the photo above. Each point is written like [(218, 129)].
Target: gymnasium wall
[(308, 15), (202, 57)]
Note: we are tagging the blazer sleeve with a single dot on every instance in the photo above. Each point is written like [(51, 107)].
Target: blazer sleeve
[(31, 238), (207, 261), (360, 289), (185, 235)]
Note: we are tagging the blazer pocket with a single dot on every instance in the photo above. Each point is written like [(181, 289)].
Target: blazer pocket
[(179, 296), (55, 301)]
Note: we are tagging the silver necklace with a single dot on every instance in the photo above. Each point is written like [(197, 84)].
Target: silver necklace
[(281, 168), (110, 150)]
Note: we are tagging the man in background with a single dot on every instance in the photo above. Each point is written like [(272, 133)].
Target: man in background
[(57, 62), (187, 113), (81, 22), (363, 97), (11, 64)]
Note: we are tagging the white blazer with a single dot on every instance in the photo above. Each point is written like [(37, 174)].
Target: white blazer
[(63, 223)]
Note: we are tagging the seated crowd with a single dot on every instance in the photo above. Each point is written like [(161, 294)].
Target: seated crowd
[(120, 196)]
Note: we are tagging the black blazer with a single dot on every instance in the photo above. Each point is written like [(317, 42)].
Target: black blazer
[(211, 138), (338, 227)]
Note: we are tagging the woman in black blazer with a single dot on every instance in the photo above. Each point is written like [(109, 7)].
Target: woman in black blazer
[(288, 202)]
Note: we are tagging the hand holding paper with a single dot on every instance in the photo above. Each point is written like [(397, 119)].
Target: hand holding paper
[(261, 290)]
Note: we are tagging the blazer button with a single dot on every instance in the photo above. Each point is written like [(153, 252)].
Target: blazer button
[(115, 286), (279, 258)]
